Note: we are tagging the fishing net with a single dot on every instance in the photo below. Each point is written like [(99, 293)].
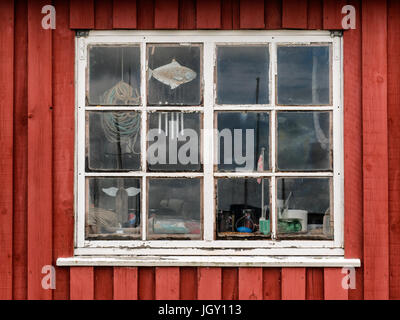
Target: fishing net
[(121, 127)]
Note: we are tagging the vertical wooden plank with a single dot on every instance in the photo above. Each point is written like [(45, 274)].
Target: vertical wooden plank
[(103, 283), (252, 14), (250, 283), (315, 284), (272, 283), (273, 14), (394, 145), (6, 142), (230, 285), (333, 289), (315, 14), (146, 287), (166, 14), (188, 283), (81, 14), (208, 14), (333, 14), (20, 153), (145, 14), (187, 14), (40, 141), (125, 14), (294, 14), (125, 283), (209, 283), (375, 149), (293, 283), (167, 283), (226, 14), (82, 283), (63, 146), (353, 160), (103, 10)]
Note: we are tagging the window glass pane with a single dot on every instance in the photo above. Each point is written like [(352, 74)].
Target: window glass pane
[(303, 75), (304, 208), (113, 140), (174, 208), (112, 208), (239, 203), (114, 75), (304, 141), (242, 74), (243, 141), (174, 141), (174, 74)]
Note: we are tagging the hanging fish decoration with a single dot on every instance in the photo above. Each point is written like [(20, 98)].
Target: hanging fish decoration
[(173, 74)]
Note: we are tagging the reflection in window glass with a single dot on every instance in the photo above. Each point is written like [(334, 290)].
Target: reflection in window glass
[(303, 75), (174, 208), (304, 207), (114, 140), (114, 75), (242, 75), (112, 208), (304, 141), (243, 141), (239, 207), (174, 74), (174, 141)]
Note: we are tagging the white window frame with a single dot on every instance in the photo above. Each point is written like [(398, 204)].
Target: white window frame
[(208, 251)]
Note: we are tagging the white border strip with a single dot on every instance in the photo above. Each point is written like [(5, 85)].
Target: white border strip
[(216, 261)]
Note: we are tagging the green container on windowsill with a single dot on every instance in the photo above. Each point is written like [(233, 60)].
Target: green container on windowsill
[(264, 226)]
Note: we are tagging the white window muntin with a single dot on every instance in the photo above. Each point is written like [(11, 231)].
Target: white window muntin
[(201, 247)]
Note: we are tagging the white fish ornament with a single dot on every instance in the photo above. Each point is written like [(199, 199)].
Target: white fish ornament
[(173, 74)]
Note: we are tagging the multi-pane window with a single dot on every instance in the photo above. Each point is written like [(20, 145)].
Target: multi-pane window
[(189, 139)]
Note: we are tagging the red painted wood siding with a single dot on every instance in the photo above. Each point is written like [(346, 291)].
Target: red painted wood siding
[(37, 162)]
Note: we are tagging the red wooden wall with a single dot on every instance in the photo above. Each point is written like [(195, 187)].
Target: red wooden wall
[(37, 143)]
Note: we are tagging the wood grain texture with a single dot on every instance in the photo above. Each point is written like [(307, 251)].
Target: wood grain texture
[(394, 145), (81, 283), (315, 284), (333, 14), (145, 14), (125, 14), (294, 14), (209, 283), (252, 14), (333, 289), (20, 160), (40, 160), (293, 283), (63, 146), (353, 159), (103, 10), (188, 283), (6, 142), (146, 283), (250, 283), (375, 150), (103, 283), (167, 283), (208, 14), (273, 14), (166, 14), (230, 284), (315, 15), (81, 14), (187, 14), (125, 283), (272, 283)]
